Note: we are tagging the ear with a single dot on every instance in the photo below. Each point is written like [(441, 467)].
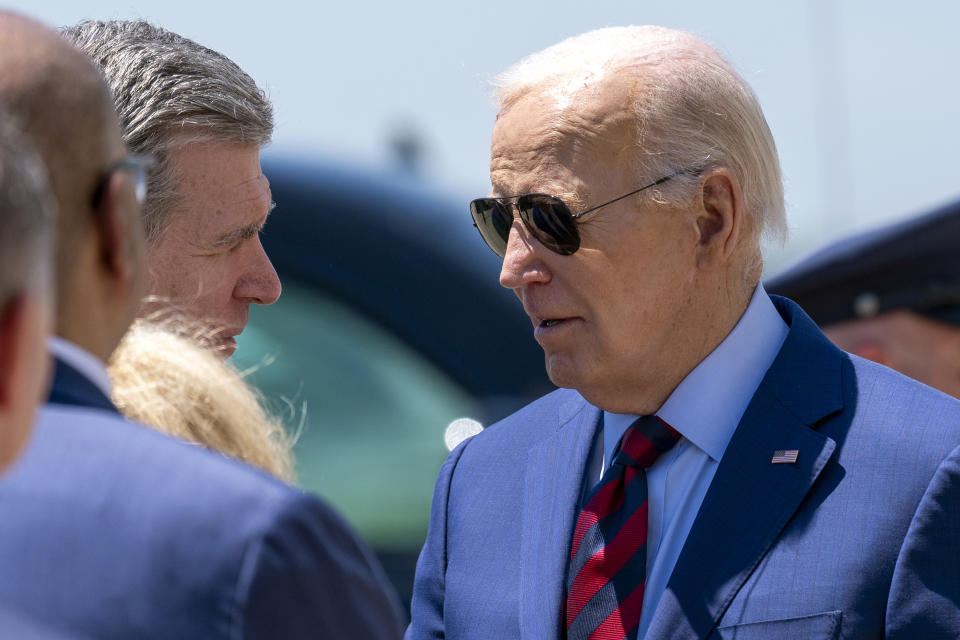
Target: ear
[(115, 230), (24, 370), (23, 333), (872, 350), (719, 219), (12, 320)]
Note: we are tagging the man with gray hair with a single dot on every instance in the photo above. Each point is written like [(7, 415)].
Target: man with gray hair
[(26, 286), (203, 120), (714, 466)]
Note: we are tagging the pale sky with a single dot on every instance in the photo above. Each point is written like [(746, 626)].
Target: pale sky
[(861, 95)]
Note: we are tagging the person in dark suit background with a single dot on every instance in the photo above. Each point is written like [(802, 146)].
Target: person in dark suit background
[(203, 120), (26, 286), (122, 532), (890, 294), (713, 466)]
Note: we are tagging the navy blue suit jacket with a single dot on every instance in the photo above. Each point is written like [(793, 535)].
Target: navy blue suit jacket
[(113, 530), (859, 539), (13, 624)]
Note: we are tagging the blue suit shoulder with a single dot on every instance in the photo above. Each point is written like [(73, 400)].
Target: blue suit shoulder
[(922, 421), (182, 542), (521, 429), (913, 443)]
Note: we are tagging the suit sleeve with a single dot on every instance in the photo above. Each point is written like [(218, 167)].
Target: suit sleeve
[(925, 592), (310, 576), (429, 584)]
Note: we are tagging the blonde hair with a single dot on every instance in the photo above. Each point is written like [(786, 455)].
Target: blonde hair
[(165, 375)]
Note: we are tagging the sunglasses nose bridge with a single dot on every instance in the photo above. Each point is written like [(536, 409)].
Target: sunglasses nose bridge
[(520, 227), (512, 207), (521, 236)]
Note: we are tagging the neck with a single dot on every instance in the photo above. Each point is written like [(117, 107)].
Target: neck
[(86, 321), (94, 308), (90, 341)]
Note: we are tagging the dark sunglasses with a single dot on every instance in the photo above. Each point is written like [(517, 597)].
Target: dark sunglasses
[(137, 166), (547, 218)]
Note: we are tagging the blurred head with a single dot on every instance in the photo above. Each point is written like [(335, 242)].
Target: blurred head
[(64, 107), (165, 375), (917, 346), (662, 276), (204, 121), (26, 285)]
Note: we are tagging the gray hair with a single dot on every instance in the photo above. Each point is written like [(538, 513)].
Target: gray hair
[(170, 91), (27, 213), (693, 112)]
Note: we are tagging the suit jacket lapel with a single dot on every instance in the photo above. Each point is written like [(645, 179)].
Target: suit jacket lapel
[(552, 484), (750, 499), (70, 387)]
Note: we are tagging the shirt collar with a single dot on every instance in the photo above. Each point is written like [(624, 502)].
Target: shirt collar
[(707, 405), (82, 360)]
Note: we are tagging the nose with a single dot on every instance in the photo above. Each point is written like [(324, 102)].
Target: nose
[(522, 264), (259, 283)]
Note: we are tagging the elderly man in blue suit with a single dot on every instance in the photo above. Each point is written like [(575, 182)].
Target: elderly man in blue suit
[(110, 529), (714, 467)]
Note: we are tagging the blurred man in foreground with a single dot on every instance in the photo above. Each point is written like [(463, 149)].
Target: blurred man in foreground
[(119, 531), (203, 120), (26, 286), (891, 295), (26, 313), (715, 467)]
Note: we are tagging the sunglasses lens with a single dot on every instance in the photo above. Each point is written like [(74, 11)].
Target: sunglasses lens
[(550, 222), (493, 220), (547, 218)]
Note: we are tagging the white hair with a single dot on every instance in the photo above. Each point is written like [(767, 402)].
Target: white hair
[(693, 110)]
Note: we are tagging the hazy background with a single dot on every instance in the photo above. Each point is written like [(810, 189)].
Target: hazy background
[(861, 95)]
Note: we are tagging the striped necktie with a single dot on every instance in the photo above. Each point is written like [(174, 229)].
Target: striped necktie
[(608, 559)]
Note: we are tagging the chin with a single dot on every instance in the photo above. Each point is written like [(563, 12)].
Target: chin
[(225, 347), (595, 385), (562, 371)]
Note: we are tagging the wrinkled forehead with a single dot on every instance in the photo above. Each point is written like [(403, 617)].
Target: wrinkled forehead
[(541, 128)]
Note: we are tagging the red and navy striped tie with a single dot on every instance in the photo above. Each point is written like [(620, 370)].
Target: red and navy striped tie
[(608, 559)]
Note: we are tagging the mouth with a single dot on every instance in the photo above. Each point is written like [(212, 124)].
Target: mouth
[(545, 322), (549, 327)]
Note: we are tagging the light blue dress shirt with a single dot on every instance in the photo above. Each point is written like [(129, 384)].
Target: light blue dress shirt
[(705, 408)]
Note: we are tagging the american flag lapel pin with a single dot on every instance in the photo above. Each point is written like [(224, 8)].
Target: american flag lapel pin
[(785, 456)]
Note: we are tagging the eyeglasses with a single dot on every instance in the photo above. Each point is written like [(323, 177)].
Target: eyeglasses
[(547, 218), (137, 165)]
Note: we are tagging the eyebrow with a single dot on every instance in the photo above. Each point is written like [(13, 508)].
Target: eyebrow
[(235, 236), (570, 198)]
